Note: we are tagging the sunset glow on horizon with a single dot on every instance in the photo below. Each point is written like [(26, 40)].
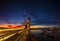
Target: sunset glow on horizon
[(11, 26)]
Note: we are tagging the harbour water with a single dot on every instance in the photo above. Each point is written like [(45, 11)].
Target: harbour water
[(39, 36)]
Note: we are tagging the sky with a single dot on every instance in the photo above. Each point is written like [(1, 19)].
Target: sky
[(41, 12)]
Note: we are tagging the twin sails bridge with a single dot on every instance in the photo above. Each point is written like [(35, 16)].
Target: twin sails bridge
[(17, 34)]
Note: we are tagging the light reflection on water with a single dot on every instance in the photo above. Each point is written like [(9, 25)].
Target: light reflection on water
[(35, 31), (37, 34)]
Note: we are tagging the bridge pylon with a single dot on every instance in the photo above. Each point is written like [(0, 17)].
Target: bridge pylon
[(27, 26)]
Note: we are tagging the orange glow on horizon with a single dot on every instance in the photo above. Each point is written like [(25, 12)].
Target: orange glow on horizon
[(10, 26)]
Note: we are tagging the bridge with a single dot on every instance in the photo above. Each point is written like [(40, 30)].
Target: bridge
[(16, 34)]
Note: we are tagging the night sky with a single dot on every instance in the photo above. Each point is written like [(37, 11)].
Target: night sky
[(42, 12)]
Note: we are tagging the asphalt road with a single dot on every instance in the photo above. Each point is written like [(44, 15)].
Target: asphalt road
[(8, 33)]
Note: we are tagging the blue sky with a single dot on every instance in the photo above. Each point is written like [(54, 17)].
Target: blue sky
[(41, 12)]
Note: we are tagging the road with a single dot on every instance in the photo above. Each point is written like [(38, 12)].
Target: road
[(8, 34), (20, 36)]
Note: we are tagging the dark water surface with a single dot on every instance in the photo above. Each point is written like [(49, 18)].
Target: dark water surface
[(39, 36)]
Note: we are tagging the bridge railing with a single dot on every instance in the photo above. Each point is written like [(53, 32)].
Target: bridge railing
[(24, 36)]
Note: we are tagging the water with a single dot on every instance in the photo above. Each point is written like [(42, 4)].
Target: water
[(39, 36)]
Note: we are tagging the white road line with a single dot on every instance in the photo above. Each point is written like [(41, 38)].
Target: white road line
[(7, 37), (19, 37)]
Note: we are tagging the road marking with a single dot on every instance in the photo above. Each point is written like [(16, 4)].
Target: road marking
[(19, 37), (7, 37)]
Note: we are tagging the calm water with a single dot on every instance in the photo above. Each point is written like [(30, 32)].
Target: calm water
[(39, 36)]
